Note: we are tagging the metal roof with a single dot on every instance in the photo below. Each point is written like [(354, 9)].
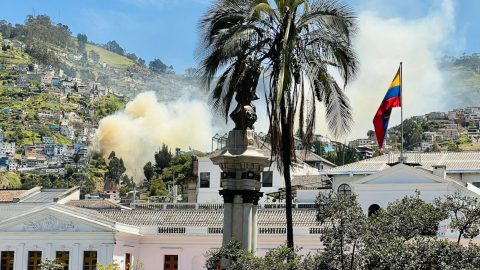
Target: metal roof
[(45, 195)]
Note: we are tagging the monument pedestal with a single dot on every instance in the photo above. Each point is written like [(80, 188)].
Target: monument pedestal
[(242, 164)]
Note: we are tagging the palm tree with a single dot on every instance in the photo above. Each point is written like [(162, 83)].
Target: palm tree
[(294, 42)]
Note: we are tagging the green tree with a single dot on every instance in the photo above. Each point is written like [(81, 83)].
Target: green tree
[(95, 56), (142, 62), (127, 182), (76, 159), (157, 187), (116, 169), (75, 87), (370, 133), (45, 131), (157, 66), (296, 42), (465, 215), (82, 38), (113, 46), (89, 186), (148, 170), (163, 158), (390, 238), (132, 57)]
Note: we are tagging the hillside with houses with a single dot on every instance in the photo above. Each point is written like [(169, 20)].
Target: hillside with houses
[(54, 93)]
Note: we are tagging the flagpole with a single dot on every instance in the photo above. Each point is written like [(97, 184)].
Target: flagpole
[(401, 109)]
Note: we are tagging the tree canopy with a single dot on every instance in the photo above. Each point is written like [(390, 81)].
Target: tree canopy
[(295, 44), (159, 67), (114, 47), (401, 236)]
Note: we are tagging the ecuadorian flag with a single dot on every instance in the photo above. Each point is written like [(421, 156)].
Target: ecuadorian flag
[(392, 99)]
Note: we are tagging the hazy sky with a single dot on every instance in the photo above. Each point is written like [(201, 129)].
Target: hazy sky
[(167, 29)]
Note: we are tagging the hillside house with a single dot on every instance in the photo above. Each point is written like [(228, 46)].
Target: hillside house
[(364, 152), (426, 145), (429, 137), (31, 162), (30, 151), (7, 148), (46, 78), (56, 81), (67, 83), (50, 149), (361, 142), (48, 140)]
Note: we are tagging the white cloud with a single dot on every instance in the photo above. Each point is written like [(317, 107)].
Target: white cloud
[(382, 44)]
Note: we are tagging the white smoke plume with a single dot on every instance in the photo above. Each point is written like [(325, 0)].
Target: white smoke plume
[(137, 132), (382, 44)]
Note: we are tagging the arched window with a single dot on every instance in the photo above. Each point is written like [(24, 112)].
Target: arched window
[(344, 189), (373, 209)]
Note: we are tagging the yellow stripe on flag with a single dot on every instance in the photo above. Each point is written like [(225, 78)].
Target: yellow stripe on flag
[(396, 80)]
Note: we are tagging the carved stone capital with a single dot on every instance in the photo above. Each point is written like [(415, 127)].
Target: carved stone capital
[(248, 196), (228, 195)]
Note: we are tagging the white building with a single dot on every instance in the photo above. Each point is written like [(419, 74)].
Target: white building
[(12, 165), (426, 145), (361, 142), (40, 223), (7, 148), (464, 166), (210, 175)]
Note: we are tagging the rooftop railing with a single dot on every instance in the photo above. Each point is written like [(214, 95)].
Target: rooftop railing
[(211, 206)]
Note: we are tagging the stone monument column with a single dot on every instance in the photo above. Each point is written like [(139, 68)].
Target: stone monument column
[(242, 164)]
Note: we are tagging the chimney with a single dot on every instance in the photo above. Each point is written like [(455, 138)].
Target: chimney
[(440, 170)]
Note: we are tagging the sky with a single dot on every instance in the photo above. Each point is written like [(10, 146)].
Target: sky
[(167, 30), (412, 31)]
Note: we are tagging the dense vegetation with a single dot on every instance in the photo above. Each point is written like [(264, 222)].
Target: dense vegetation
[(413, 135), (42, 36), (401, 236)]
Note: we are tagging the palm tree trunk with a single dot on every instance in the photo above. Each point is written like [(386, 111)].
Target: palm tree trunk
[(286, 145)]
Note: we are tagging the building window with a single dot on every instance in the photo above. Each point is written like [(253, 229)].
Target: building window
[(171, 262), (477, 184), (344, 189), (6, 262), (128, 260), (373, 209), (267, 179), (89, 260), (221, 178), (205, 180), (63, 257), (34, 259)]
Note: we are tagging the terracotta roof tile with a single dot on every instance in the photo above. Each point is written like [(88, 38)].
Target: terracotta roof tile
[(97, 204), (7, 195), (309, 156), (205, 218)]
